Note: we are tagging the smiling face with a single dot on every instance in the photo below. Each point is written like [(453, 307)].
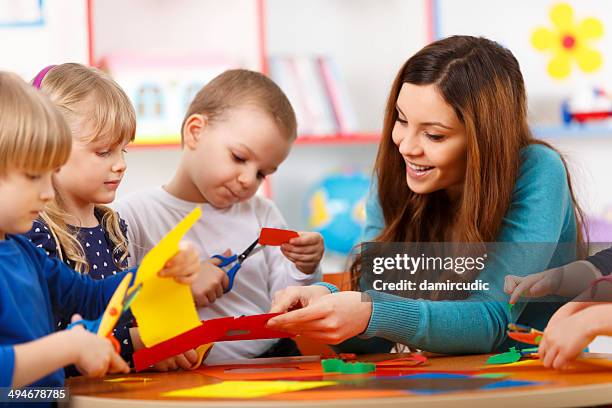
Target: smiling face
[(95, 167), (431, 139), (227, 160), (22, 197)]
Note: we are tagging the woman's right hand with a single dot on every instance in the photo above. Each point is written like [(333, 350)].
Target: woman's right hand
[(297, 297)]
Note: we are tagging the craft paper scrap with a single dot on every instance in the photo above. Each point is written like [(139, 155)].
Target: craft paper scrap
[(275, 237), (246, 389), (128, 379), (164, 308)]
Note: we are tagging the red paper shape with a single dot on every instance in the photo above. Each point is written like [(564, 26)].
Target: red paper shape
[(276, 237), (410, 361), (210, 331)]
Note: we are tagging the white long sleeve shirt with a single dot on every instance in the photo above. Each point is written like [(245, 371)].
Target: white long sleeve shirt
[(150, 214)]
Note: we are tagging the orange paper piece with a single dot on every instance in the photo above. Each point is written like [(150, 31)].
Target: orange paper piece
[(276, 237), (164, 308)]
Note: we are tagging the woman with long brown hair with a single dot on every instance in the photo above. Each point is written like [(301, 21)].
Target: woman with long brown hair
[(457, 163)]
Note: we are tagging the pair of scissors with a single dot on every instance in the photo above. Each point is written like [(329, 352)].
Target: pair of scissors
[(231, 264), (118, 304), (524, 334)]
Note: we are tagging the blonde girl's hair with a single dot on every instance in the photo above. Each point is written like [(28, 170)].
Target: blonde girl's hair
[(34, 137), (112, 118)]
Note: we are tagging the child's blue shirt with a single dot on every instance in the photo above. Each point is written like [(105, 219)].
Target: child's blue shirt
[(103, 262), (34, 287)]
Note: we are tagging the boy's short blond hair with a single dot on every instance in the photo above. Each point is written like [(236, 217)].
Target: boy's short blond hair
[(240, 87), (34, 137), (113, 116)]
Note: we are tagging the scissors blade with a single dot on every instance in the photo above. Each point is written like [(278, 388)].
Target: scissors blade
[(131, 296), (249, 251)]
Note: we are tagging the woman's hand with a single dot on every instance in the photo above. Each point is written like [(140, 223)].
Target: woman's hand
[(297, 297), (330, 319)]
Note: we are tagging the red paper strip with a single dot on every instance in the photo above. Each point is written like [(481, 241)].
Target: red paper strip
[(222, 329), (410, 361), (276, 237)]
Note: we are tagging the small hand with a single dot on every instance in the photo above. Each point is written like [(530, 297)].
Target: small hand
[(564, 339), (184, 361), (94, 356), (210, 283), (184, 267), (305, 251)]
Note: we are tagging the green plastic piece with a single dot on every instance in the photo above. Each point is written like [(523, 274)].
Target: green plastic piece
[(511, 356), (332, 365), (358, 368), (335, 365), (510, 306)]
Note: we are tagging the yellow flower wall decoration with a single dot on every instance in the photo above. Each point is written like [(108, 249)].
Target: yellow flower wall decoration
[(569, 41)]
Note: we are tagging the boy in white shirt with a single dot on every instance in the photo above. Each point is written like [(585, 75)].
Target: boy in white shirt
[(238, 129)]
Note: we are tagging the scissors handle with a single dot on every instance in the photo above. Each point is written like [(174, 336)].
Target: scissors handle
[(92, 326), (89, 325), (231, 266)]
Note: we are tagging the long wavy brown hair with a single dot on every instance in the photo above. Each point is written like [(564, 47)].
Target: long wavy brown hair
[(482, 82)]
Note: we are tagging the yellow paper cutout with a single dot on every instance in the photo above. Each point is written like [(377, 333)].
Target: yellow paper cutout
[(128, 380), (164, 308), (246, 389)]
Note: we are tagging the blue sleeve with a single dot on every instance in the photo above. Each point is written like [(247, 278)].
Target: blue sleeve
[(7, 365), (540, 208), (72, 292)]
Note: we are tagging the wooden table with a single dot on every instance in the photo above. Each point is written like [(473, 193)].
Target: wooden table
[(584, 385)]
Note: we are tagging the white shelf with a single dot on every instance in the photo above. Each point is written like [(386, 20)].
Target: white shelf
[(603, 131)]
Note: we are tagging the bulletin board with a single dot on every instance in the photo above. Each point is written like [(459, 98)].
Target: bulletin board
[(37, 33)]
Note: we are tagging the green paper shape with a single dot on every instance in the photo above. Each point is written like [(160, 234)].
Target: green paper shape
[(358, 368), (335, 365), (332, 365), (510, 306), (511, 356)]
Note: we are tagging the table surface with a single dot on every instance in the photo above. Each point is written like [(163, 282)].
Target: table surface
[(582, 385)]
